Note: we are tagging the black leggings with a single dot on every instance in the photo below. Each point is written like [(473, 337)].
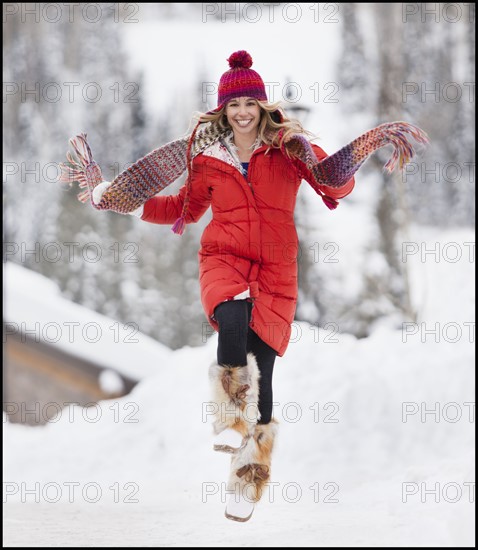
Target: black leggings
[(236, 340)]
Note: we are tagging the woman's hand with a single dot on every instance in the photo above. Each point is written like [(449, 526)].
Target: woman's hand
[(102, 187), (99, 190)]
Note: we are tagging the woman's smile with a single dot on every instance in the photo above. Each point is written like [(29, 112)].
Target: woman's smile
[(244, 122)]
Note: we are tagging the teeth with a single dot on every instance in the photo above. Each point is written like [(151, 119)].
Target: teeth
[(243, 122)]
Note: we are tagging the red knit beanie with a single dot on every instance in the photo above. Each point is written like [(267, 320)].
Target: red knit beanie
[(240, 80)]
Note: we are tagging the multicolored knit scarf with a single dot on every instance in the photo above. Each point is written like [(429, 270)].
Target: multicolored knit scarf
[(151, 174)]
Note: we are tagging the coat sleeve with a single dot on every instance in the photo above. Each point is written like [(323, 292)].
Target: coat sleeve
[(167, 209), (333, 192)]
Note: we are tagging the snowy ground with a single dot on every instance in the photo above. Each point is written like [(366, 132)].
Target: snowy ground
[(359, 461)]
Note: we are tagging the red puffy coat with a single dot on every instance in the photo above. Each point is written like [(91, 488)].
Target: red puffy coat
[(251, 242)]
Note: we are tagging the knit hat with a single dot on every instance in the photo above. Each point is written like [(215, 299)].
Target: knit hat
[(240, 80)]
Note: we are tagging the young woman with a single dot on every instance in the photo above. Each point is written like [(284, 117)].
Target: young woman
[(246, 160)]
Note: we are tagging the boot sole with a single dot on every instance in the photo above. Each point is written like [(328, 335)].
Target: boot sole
[(237, 518), (226, 449)]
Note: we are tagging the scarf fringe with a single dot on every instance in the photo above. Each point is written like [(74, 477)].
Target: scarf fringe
[(396, 135), (81, 168), (329, 202), (179, 225)]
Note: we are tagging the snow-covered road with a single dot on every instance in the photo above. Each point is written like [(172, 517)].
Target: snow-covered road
[(181, 518)]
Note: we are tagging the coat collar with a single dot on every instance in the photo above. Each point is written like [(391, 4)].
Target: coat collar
[(233, 151), (226, 151)]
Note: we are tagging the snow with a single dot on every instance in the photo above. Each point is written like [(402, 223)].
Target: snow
[(34, 304), (110, 382), (375, 444)]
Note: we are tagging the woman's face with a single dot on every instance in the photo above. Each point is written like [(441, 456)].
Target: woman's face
[(243, 115)]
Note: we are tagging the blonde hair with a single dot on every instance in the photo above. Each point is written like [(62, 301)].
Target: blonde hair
[(269, 130)]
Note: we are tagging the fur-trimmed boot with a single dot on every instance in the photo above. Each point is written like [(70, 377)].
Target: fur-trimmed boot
[(250, 472), (235, 394)]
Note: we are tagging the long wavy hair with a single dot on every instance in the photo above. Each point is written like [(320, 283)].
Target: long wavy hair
[(272, 131)]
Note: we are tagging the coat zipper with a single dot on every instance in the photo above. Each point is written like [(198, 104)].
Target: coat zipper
[(249, 171), (252, 191)]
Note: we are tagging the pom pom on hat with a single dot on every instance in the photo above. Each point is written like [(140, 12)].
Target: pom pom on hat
[(240, 60)]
